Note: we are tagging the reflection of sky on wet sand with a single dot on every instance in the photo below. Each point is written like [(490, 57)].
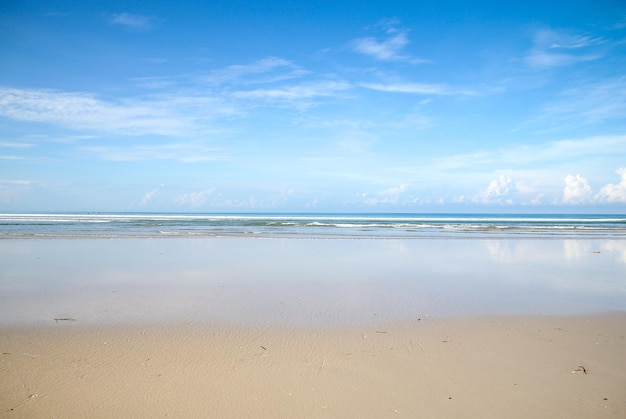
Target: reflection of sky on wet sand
[(304, 281)]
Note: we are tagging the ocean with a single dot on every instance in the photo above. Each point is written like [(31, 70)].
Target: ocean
[(312, 225), (305, 269)]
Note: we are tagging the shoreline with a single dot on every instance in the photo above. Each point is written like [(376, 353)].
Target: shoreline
[(312, 225), (470, 366)]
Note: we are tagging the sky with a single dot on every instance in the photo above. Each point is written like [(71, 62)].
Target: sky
[(313, 106)]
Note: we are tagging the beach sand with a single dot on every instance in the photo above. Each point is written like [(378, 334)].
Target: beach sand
[(469, 366), (244, 328)]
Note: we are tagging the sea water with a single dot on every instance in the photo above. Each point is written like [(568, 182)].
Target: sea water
[(305, 269), (406, 226)]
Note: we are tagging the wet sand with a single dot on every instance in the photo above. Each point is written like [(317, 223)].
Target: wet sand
[(472, 366), (234, 328)]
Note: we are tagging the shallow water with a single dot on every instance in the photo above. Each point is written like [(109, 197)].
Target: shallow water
[(304, 282)]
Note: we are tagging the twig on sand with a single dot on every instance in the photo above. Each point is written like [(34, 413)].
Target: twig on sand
[(64, 319)]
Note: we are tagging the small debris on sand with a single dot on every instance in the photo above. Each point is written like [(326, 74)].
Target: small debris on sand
[(64, 319)]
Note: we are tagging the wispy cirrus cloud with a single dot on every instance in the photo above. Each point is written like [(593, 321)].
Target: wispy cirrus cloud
[(298, 93), (542, 153), (266, 70), (552, 48), (417, 88), (179, 152), (174, 115), (134, 21), (8, 144), (158, 82), (20, 182), (585, 104)]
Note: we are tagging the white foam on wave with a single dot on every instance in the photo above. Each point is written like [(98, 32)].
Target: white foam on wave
[(305, 225)]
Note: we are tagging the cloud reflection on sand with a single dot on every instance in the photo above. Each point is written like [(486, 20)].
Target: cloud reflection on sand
[(305, 281)]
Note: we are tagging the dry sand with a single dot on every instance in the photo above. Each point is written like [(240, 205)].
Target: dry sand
[(466, 367)]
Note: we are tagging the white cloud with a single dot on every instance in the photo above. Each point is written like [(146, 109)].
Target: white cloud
[(195, 199), (137, 22), (577, 190), (382, 50), (534, 155), (497, 191), (296, 92), (17, 182), (614, 192), (389, 49), (167, 115), (586, 104), (388, 196), (394, 191), (272, 68), (553, 48), (148, 196), (15, 145), (265, 71), (181, 152), (416, 88), (158, 82)]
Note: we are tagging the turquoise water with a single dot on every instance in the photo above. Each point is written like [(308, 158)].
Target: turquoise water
[(113, 225)]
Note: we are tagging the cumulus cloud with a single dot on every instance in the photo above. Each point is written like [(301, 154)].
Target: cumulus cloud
[(389, 49), (577, 190), (148, 196), (394, 191), (388, 196), (497, 191), (614, 192), (195, 199)]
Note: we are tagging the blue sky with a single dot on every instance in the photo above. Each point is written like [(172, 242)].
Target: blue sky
[(236, 106)]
